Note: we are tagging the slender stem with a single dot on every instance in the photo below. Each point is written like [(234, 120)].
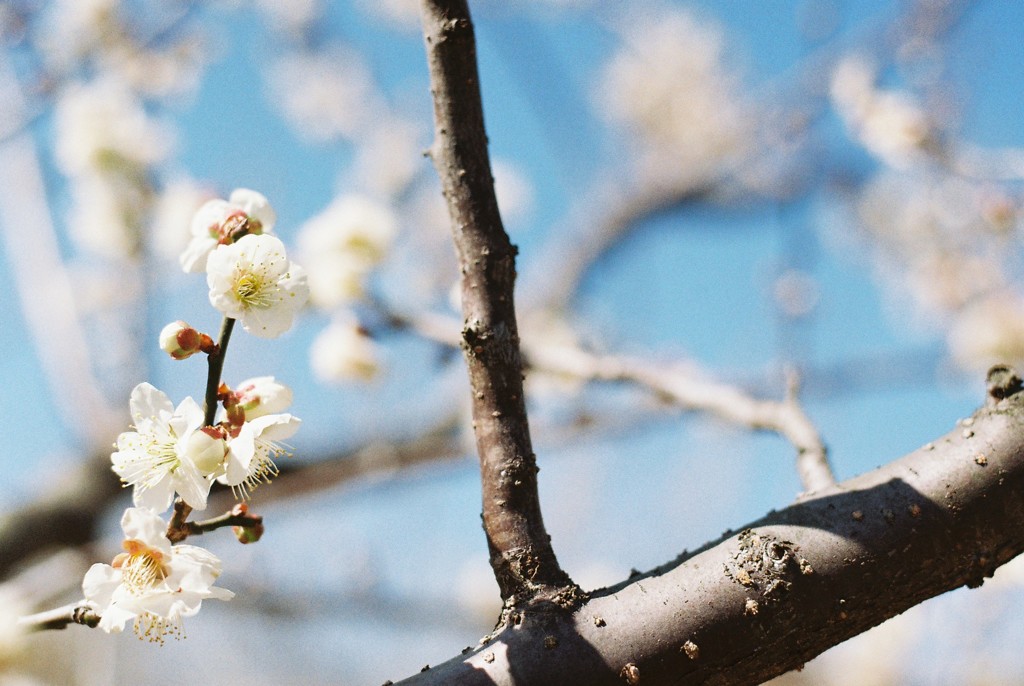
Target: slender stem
[(58, 618), (523, 560), (177, 530), (216, 362), (239, 515)]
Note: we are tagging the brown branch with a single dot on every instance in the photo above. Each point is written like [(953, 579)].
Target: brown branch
[(238, 515), (683, 388), (66, 516), (787, 587), (523, 560)]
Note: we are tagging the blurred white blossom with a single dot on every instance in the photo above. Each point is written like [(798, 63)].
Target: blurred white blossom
[(401, 14), (343, 352), (669, 84), (388, 157), (341, 245), (293, 16), (931, 239), (513, 189), (105, 215), (75, 27), (989, 331), (173, 212), (102, 124), (326, 94), (889, 124)]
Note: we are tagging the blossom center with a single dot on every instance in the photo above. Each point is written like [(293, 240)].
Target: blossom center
[(254, 290), (142, 571), (164, 460)]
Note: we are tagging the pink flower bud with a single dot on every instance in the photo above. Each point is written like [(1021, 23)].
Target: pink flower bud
[(179, 340), (248, 534), (261, 396)]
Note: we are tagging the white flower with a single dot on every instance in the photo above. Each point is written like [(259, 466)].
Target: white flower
[(220, 222), (254, 281), (250, 460), (670, 85), (152, 583), (262, 395), (343, 352), (155, 458), (888, 123), (342, 244), (388, 156), (101, 125), (325, 94)]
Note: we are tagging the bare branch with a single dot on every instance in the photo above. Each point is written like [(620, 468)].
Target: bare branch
[(691, 392), (787, 587), (521, 553), (59, 618)]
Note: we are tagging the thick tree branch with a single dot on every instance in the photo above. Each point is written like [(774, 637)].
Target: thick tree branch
[(521, 554), (789, 586)]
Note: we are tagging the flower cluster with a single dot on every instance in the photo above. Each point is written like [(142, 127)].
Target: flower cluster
[(174, 454), (247, 270), (341, 246)]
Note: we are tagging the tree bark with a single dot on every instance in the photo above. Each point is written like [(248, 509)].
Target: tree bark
[(521, 555), (785, 588)]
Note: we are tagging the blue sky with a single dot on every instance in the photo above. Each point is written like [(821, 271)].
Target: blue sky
[(690, 283)]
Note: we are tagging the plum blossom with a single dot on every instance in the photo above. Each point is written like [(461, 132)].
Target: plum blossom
[(153, 584), (890, 124), (326, 95), (261, 396), (102, 124), (343, 352), (221, 222), (250, 460), (253, 280), (341, 245), (157, 458), (672, 88)]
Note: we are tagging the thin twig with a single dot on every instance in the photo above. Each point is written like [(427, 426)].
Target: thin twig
[(59, 618), (691, 392)]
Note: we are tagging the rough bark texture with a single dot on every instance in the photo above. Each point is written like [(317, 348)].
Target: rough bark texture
[(520, 548), (762, 601)]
